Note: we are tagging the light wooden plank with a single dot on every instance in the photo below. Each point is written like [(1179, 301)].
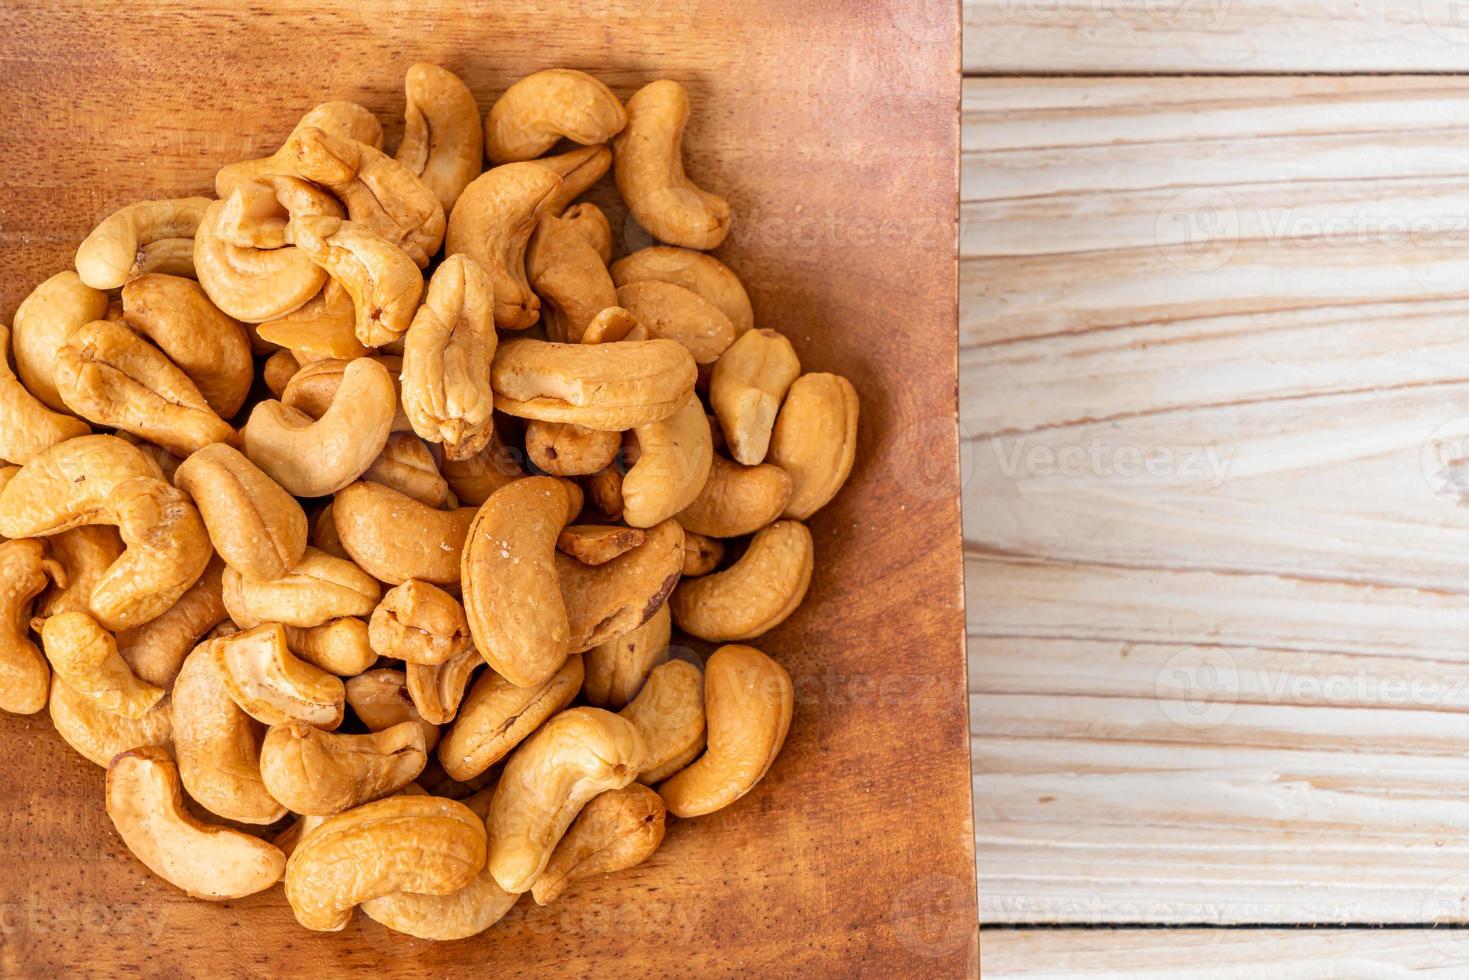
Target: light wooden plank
[(1239, 36)]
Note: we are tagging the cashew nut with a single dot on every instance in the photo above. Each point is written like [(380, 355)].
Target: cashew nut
[(278, 371), (321, 773), (437, 690), (590, 222), (85, 657), (617, 830), (83, 555), (566, 449), (314, 387), (815, 440), (420, 624), (674, 459), (446, 359), (493, 222), (618, 668), (755, 594), (601, 386), (24, 674), (345, 119), (408, 466), (749, 382), (97, 734), (339, 647), (650, 173), (606, 601), (271, 685), (312, 458), (547, 780), (442, 138), (318, 588), (28, 427), (42, 322), (324, 535), (157, 649), (150, 236), (249, 283), (146, 803), (737, 500), (698, 272), (569, 277), (578, 169), (396, 538), (543, 107), (496, 716), (675, 313), (669, 714), (381, 700), (258, 529), (701, 555), (475, 478), (324, 329), (597, 544), (604, 490), (382, 279)]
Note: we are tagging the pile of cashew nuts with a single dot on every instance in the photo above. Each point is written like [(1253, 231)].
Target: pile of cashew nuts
[(345, 593)]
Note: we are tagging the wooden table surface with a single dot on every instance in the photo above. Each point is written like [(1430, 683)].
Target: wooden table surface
[(1214, 355)]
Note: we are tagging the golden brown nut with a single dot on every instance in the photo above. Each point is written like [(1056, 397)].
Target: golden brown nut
[(618, 668), (408, 466), (85, 657), (345, 119), (324, 329), (257, 528), (249, 283), (547, 105), (695, 271), (669, 714), (381, 700), (496, 716), (83, 555), (675, 313), (578, 169), (324, 535), (604, 491), (475, 478), (748, 700), (27, 427), (97, 734), (601, 386), (606, 601), (24, 674), (273, 686), (590, 222), (738, 500), (815, 440), (755, 594), (150, 236), (617, 830), (211, 348), (157, 649), (437, 690), (382, 279), (421, 624), (749, 382), (650, 173), (396, 538), (492, 223), (569, 277), (314, 387), (674, 459), (446, 359), (42, 321), (597, 544), (321, 773), (566, 449), (339, 646), (278, 371), (319, 588), (442, 138), (701, 555), (111, 376)]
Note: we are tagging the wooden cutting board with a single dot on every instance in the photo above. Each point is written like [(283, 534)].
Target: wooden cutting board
[(832, 129)]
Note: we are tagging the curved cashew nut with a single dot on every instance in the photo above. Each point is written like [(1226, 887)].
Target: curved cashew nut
[(578, 169), (217, 744), (381, 278), (111, 376), (381, 700), (492, 223), (345, 119), (815, 440), (157, 649), (667, 310), (258, 529), (590, 222), (97, 734), (150, 236), (617, 669), (314, 386), (601, 386), (247, 282), (442, 138), (146, 804), (549, 778), (701, 555), (103, 480), (674, 459), (24, 674), (613, 324), (318, 589), (446, 359), (42, 321), (84, 554), (541, 108), (496, 716), (565, 449), (85, 657), (475, 478), (271, 685), (669, 714), (597, 544), (755, 594), (738, 500), (650, 173), (697, 272), (324, 329), (408, 466), (617, 830), (28, 427), (437, 690), (420, 844), (396, 538), (570, 278), (212, 349), (419, 623), (321, 773), (749, 382), (606, 601), (338, 647), (313, 458)]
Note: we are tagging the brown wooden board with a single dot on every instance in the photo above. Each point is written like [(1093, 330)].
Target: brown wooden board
[(832, 129)]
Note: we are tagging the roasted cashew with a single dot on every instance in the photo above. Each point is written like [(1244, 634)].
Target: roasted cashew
[(604, 490), (419, 623), (150, 236), (749, 382), (156, 650), (601, 386), (597, 544), (381, 700), (492, 223), (324, 329), (695, 271), (319, 588), (737, 500), (650, 173), (815, 440), (28, 427), (547, 780), (701, 555), (475, 478), (111, 376), (312, 458), (217, 744), (606, 601), (618, 668), (212, 349), (257, 528), (278, 371), (442, 137), (271, 685), (42, 321), (669, 714), (382, 279), (24, 674), (345, 119), (496, 716), (396, 538), (569, 277), (419, 844), (673, 312), (313, 387), (512, 596), (324, 535), (674, 459), (103, 480), (408, 466), (321, 773), (541, 108), (248, 283), (578, 169), (339, 647), (446, 359), (591, 223), (146, 803), (437, 690), (85, 657), (84, 554), (566, 449), (617, 830), (755, 594), (97, 734), (748, 700)]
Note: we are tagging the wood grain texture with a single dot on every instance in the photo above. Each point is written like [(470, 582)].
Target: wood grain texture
[(855, 854), (1212, 362)]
